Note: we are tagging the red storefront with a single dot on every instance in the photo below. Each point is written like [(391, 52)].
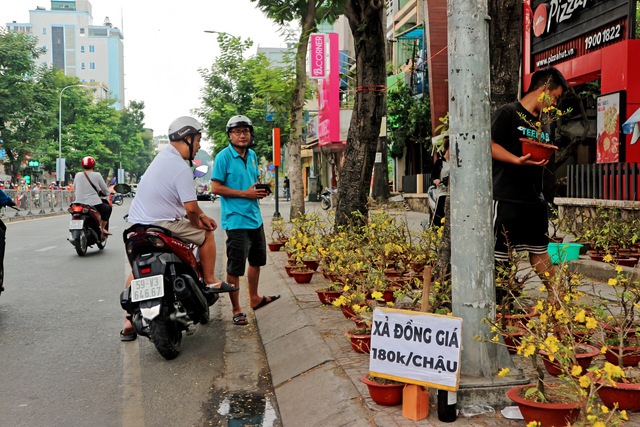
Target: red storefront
[(589, 40)]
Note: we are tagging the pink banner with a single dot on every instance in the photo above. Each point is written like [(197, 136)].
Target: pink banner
[(329, 98), (317, 56)]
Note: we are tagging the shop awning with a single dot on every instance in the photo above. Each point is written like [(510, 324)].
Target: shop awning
[(631, 126)]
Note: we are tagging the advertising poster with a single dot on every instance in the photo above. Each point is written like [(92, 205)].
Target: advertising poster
[(608, 127), (416, 348)]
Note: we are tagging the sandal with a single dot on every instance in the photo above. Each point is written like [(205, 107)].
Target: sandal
[(240, 319), (127, 336), (266, 300), (224, 287)]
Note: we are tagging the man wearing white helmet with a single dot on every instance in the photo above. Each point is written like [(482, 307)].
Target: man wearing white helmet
[(167, 197), (234, 179)]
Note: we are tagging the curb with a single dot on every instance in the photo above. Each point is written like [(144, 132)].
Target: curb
[(311, 387)]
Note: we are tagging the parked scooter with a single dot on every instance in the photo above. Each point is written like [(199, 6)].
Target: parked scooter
[(84, 228), (116, 199), (167, 294), (326, 197)]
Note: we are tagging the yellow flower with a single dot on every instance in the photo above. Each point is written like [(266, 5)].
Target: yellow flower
[(612, 282), (389, 303), (591, 323), (529, 350), (533, 424), (603, 350), (376, 295), (495, 338), (504, 372), (618, 269), (607, 258), (604, 409), (584, 381), (579, 317), (613, 371), (623, 415), (576, 370)]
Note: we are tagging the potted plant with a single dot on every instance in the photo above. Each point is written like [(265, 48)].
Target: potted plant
[(278, 234), (383, 391), (572, 396), (539, 146)]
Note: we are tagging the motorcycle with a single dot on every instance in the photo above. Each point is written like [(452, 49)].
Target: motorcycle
[(326, 197), (116, 199), (84, 228), (168, 294)]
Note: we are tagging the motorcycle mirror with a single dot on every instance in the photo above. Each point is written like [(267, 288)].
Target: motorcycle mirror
[(200, 171)]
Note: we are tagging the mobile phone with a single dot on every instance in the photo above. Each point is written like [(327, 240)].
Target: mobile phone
[(264, 187)]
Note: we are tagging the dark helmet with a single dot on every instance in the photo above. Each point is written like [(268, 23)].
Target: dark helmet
[(184, 126), (88, 162), (239, 120)]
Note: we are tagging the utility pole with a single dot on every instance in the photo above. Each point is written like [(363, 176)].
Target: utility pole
[(472, 260)]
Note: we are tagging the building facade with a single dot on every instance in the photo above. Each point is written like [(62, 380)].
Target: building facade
[(93, 53)]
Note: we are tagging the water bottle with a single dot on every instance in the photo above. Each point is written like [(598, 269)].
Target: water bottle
[(447, 406)]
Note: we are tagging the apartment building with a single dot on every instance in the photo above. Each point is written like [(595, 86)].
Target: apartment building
[(93, 53)]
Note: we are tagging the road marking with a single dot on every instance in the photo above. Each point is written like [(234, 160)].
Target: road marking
[(132, 396), (48, 248)]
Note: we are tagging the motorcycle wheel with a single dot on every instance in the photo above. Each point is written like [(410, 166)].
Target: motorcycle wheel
[(165, 337), (81, 244), (324, 203), (117, 201)]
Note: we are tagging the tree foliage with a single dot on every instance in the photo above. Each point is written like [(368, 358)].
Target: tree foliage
[(30, 99), (408, 120), (238, 85)]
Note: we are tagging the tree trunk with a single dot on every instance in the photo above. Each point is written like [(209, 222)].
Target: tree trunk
[(366, 22), (505, 50), (296, 120)]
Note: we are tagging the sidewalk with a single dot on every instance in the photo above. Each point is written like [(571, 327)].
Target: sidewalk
[(315, 373)]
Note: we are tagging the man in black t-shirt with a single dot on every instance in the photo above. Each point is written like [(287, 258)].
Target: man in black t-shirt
[(520, 210)]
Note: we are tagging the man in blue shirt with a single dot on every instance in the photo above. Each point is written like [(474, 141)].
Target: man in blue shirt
[(234, 179)]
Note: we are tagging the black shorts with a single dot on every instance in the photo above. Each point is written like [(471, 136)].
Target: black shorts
[(243, 245), (105, 210), (526, 227)]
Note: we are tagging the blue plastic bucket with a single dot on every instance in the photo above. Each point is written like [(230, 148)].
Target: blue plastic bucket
[(563, 252)]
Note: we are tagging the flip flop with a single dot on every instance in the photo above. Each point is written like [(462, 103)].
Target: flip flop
[(224, 287), (128, 337), (266, 301), (240, 319)]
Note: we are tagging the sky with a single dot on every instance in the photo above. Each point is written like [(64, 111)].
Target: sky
[(165, 44)]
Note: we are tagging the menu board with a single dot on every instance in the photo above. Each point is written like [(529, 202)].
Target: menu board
[(608, 127)]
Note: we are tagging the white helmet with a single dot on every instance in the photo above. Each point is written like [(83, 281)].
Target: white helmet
[(183, 126), (239, 120)]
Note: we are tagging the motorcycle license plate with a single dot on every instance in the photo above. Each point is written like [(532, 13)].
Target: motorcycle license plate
[(147, 288), (76, 224)]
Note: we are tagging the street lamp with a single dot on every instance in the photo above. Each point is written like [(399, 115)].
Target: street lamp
[(59, 167), (221, 32)]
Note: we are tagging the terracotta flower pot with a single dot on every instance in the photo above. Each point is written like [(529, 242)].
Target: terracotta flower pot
[(312, 264), (360, 342), (538, 150), (512, 339), (303, 276), (547, 414), (347, 311), (327, 296), (626, 396), (384, 394), (583, 358), (275, 246), (630, 355), (517, 320), (288, 268)]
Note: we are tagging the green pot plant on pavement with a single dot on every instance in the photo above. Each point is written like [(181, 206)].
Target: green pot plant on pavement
[(561, 366)]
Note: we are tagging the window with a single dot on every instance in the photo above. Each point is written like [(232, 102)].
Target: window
[(44, 31), (82, 66), (81, 49), (92, 80), (82, 31), (92, 48), (44, 48), (92, 65)]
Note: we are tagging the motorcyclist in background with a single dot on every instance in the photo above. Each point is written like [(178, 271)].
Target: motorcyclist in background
[(89, 189)]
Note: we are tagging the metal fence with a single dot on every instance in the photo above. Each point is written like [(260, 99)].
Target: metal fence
[(610, 181), (38, 202)]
